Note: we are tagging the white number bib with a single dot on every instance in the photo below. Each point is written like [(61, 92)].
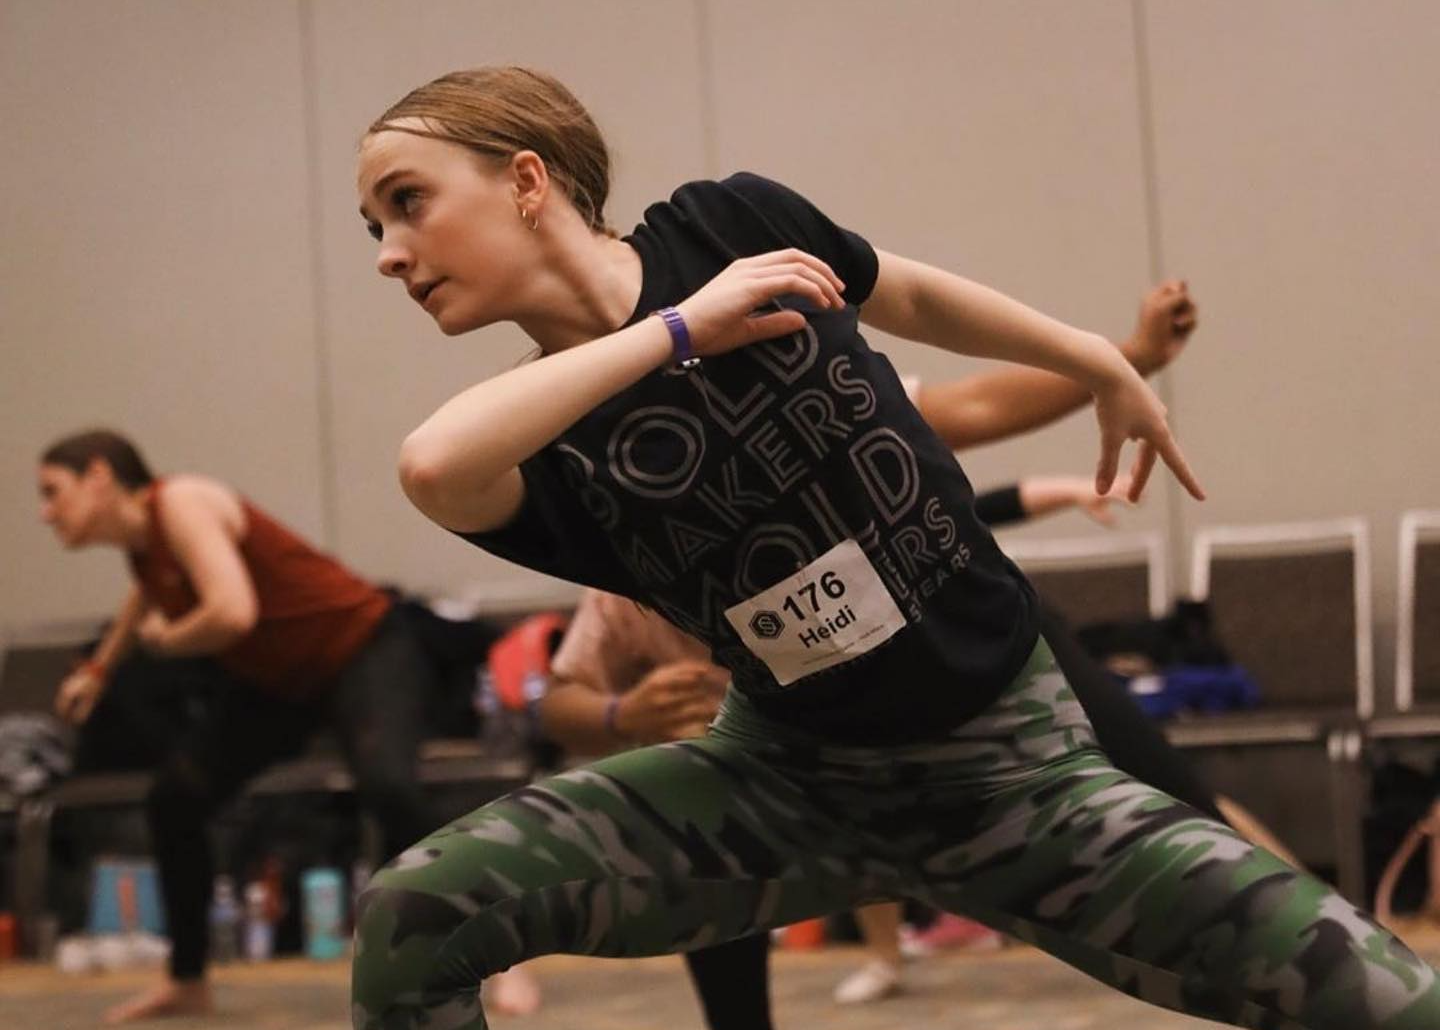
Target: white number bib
[(833, 610)]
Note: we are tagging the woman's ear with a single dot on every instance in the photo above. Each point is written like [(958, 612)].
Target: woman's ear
[(98, 470), (532, 180)]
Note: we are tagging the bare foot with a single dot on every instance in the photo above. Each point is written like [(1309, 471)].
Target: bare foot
[(514, 992), (171, 998)]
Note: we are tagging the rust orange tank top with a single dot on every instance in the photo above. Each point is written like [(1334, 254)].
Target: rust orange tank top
[(315, 614)]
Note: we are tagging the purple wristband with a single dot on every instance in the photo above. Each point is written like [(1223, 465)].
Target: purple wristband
[(679, 335), (612, 708)]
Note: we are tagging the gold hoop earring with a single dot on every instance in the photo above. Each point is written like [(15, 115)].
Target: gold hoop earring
[(531, 223)]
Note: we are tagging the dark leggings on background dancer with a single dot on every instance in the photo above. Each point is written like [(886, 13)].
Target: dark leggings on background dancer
[(297, 642)]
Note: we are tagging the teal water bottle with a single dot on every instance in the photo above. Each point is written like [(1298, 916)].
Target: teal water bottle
[(323, 892)]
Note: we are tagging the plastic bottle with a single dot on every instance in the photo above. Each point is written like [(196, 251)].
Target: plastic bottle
[(259, 930), (273, 876), (224, 921), (323, 896)]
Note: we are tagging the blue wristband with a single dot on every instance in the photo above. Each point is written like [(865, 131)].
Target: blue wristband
[(679, 336)]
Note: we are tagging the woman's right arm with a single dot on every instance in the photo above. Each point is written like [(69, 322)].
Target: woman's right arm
[(461, 466), (79, 692)]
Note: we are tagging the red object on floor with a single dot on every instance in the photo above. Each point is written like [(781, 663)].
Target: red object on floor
[(7, 937), (809, 934)]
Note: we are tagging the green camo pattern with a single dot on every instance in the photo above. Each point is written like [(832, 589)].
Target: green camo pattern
[(1014, 818)]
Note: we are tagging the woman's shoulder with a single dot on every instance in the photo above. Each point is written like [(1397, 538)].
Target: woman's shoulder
[(187, 497), (750, 212), (188, 486), (737, 187)]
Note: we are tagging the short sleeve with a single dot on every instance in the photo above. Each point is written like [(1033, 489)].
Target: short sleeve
[(554, 534), (804, 225)]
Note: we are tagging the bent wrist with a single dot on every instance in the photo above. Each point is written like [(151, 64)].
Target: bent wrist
[(1109, 366), (95, 669), (614, 722)]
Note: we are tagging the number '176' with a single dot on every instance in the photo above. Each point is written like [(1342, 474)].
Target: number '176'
[(831, 585)]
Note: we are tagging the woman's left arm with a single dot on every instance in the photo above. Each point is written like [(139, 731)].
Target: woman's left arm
[(918, 302), (205, 545)]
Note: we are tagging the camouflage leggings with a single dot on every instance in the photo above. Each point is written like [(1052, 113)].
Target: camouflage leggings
[(1014, 819)]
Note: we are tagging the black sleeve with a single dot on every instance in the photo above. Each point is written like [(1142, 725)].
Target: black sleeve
[(999, 507), (803, 225), (554, 534)]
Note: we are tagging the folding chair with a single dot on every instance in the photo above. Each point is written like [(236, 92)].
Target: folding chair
[(1098, 578), (1292, 604)]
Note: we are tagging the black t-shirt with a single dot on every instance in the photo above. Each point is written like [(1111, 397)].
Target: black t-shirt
[(784, 502)]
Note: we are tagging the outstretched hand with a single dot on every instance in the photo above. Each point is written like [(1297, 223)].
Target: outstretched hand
[(1097, 506), (724, 313), (1127, 409)]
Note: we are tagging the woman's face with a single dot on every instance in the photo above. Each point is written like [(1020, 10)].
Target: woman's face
[(71, 502), (449, 227)]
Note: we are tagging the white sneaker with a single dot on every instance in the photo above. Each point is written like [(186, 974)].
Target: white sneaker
[(871, 982)]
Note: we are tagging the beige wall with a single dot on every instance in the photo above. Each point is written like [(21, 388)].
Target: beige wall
[(182, 256), (155, 269)]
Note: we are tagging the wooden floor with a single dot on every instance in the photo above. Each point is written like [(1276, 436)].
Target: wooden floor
[(1016, 989)]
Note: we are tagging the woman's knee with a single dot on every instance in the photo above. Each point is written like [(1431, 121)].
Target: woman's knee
[(407, 899), (420, 946), (402, 921)]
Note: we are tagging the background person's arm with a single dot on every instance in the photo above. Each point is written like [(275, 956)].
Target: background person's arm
[(918, 302), (999, 403)]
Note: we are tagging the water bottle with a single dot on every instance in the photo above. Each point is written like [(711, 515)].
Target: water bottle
[(323, 896), (224, 921), (259, 932), (504, 732)]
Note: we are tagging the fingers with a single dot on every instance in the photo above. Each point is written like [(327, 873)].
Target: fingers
[(793, 256), (1180, 305), (1140, 471), (767, 327), (71, 708), (1100, 511), (1170, 452), (1109, 463), (688, 668), (798, 277), (702, 710), (1162, 445), (1120, 489)]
